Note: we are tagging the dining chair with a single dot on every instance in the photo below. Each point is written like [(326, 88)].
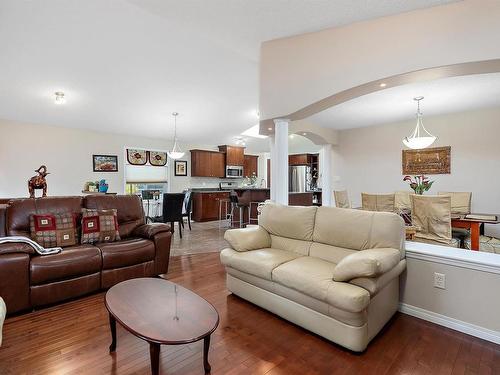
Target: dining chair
[(431, 216), (377, 202), (460, 205), (187, 208), (402, 200), (487, 244), (460, 201), (341, 198), (172, 210)]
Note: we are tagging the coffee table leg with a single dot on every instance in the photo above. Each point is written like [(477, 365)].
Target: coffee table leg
[(112, 325), (206, 347), (154, 353)]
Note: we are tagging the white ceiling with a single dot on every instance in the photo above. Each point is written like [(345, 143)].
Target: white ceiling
[(126, 65), (396, 104)]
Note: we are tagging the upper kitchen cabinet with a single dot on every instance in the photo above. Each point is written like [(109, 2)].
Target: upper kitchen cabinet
[(234, 155), (250, 165), (207, 163), (302, 159)]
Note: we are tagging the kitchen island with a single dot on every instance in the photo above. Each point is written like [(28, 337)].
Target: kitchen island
[(206, 201)]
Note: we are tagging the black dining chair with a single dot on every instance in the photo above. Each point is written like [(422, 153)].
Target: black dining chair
[(187, 208), (172, 210)]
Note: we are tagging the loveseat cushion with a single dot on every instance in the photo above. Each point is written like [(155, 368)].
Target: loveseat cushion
[(313, 277), (250, 238), (126, 252), (72, 262), (366, 263), (288, 221), (260, 263), (358, 229)]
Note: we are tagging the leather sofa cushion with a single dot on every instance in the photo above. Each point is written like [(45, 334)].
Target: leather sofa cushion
[(260, 263), (19, 211), (126, 252), (313, 277), (71, 262), (329, 253), (358, 229), (250, 238), (297, 246), (128, 207), (288, 221)]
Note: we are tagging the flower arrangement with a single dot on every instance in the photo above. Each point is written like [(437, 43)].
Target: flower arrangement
[(419, 184)]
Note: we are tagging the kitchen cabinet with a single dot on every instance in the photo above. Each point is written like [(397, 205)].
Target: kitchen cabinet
[(235, 155), (250, 165), (299, 159), (207, 163), (206, 205)]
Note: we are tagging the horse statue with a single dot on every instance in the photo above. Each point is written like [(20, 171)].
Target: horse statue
[(38, 182)]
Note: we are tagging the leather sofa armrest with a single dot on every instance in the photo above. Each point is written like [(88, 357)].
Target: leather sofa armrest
[(366, 263), (245, 239), (375, 284), (149, 231), (13, 247)]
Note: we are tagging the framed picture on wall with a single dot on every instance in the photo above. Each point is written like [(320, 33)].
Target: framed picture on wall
[(105, 163), (180, 167)]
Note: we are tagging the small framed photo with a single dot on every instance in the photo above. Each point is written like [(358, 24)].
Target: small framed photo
[(105, 163), (180, 167)]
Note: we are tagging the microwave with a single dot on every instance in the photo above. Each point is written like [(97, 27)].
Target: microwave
[(234, 171)]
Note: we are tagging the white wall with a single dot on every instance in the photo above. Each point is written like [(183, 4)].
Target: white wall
[(67, 153), (369, 159), (300, 70)]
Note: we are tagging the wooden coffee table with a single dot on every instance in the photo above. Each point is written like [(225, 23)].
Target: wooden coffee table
[(161, 312)]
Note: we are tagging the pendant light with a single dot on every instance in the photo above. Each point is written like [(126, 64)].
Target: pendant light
[(176, 152), (420, 138)]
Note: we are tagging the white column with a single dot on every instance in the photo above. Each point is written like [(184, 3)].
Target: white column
[(325, 162), (279, 162)]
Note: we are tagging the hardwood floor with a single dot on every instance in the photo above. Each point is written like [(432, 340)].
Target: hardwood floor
[(73, 338)]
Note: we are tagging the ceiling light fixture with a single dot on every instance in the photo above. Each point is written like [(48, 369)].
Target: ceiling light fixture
[(176, 152), (383, 84), (269, 128), (420, 138), (60, 99)]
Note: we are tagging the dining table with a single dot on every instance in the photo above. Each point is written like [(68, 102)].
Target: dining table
[(473, 222)]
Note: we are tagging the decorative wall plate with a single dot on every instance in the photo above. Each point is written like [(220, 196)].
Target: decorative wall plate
[(137, 157), (157, 158)]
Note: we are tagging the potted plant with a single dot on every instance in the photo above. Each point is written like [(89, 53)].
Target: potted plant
[(419, 184)]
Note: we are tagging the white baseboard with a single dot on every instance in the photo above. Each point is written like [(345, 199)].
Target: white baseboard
[(446, 321)]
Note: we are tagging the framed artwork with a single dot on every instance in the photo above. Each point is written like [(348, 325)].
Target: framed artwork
[(158, 159), (180, 167), (105, 163), (137, 157), (436, 160)]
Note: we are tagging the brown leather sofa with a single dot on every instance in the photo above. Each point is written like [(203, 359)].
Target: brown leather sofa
[(29, 280)]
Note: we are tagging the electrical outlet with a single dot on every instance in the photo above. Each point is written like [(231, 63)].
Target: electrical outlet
[(439, 280)]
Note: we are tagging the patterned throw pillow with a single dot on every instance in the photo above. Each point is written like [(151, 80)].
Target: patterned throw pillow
[(99, 226), (51, 230)]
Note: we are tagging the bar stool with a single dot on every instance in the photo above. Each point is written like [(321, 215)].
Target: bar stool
[(235, 203), (250, 210), (225, 204)]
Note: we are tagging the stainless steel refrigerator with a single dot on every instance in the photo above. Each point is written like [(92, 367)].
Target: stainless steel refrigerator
[(299, 178)]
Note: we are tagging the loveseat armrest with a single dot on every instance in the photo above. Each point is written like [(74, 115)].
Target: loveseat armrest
[(246, 239), (148, 231), (375, 284), (16, 247), (366, 263)]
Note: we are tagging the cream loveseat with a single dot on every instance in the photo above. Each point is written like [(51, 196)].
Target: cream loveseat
[(333, 271)]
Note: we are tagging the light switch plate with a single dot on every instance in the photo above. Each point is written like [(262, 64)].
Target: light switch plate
[(439, 280)]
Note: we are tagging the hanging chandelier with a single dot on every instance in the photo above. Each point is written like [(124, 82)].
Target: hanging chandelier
[(420, 138), (176, 152)]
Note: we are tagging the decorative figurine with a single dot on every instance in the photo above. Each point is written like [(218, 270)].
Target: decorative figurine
[(38, 182)]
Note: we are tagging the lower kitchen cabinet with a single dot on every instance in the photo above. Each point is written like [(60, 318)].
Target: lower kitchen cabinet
[(206, 205)]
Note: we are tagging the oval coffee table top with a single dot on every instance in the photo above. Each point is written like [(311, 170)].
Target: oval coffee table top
[(160, 311)]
